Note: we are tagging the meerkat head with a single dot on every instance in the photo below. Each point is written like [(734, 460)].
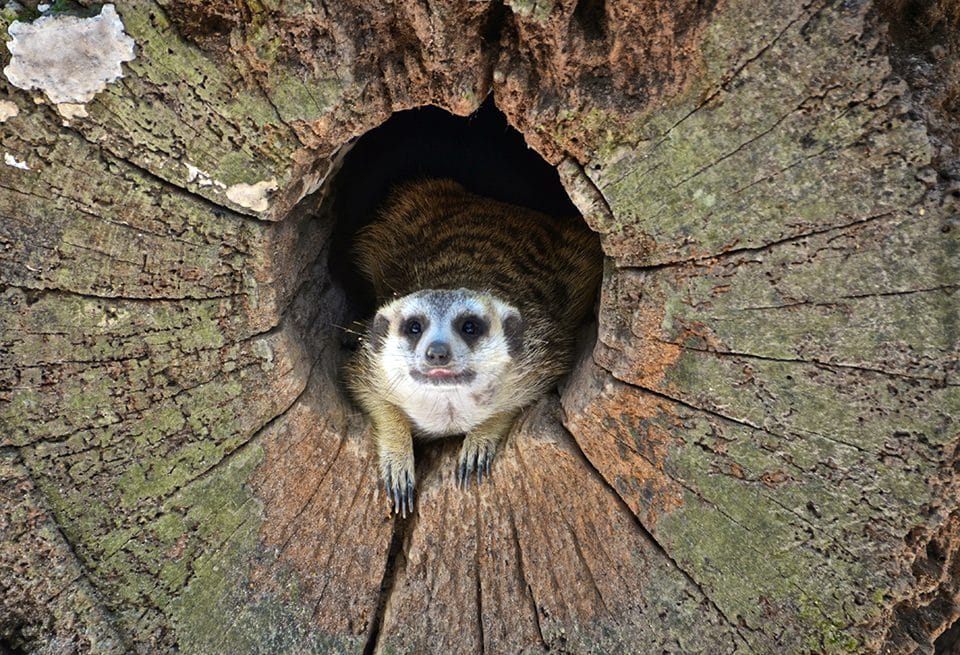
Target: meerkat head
[(446, 338)]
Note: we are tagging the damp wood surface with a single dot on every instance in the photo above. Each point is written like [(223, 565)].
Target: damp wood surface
[(756, 453)]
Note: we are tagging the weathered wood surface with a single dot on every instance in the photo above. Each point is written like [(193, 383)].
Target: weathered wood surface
[(760, 454)]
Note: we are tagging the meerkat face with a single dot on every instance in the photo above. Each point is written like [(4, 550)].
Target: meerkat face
[(446, 337), (445, 352)]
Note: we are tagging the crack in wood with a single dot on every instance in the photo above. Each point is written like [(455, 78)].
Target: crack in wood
[(164, 183), (703, 260), (736, 192), (84, 576), (753, 139), (89, 295), (732, 75), (905, 292), (518, 554), (638, 523), (477, 572), (723, 86), (583, 562), (86, 363), (336, 540), (309, 501), (387, 584), (41, 292), (724, 417), (539, 537), (831, 366)]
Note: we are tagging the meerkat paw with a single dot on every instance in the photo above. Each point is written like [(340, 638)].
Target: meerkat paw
[(480, 447), (475, 455), (399, 481)]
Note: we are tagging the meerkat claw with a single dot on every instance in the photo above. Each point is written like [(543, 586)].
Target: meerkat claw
[(409, 498), (483, 465), (400, 490), (461, 473), (402, 497), (468, 463), (471, 461)]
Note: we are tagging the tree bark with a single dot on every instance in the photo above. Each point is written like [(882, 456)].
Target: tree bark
[(756, 453)]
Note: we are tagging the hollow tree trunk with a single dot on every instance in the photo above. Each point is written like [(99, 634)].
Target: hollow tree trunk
[(759, 454)]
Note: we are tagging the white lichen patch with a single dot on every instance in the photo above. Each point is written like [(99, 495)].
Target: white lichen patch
[(252, 196), (69, 58), (10, 160), (8, 110), (201, 178), (72, 110)]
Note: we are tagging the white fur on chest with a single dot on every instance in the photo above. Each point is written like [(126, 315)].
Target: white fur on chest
[(441, 410)]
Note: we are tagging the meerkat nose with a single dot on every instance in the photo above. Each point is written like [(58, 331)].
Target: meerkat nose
[(438, 353)]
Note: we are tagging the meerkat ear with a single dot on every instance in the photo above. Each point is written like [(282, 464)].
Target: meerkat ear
[(513, 331), (379, 328)]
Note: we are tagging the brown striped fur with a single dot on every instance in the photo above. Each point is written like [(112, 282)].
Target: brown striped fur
[(433, 234)]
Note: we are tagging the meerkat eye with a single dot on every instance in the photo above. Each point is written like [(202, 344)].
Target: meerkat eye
[(412, 327), (471, 326)]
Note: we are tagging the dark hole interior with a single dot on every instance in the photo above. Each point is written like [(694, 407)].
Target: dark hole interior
[(591, 16), (481, 151), (948, 643), (15, 643)]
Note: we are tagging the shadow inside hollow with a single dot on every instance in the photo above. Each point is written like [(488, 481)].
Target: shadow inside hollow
[(481, 151)]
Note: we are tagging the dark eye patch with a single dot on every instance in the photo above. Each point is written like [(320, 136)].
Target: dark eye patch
[(413, 327), (470, 327)]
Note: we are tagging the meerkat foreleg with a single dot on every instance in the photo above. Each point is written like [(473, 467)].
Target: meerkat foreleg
[(480, 446), (391, 433)]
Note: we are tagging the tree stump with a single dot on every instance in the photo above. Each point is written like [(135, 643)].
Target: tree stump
[(756, 453)]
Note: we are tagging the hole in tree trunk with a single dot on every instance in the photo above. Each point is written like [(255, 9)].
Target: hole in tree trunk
[(481, 151)]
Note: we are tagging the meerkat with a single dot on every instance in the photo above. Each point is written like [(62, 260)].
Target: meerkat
[(478, 308)]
